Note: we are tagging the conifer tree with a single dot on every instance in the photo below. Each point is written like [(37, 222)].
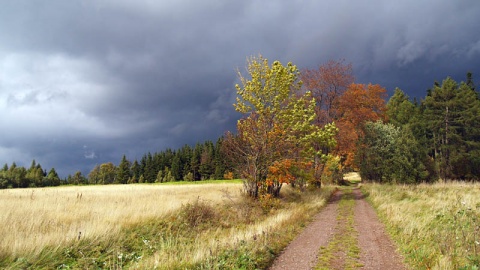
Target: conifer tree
[(176, 170), (399, 109), (123, 171), (136, 171)]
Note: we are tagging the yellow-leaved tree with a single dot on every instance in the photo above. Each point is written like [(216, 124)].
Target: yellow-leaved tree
[(276, 136)]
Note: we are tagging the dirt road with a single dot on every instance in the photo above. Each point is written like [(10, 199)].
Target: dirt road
[(337, 239)]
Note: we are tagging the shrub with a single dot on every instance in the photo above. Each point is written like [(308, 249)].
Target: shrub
[(228, 175), (197, 213)]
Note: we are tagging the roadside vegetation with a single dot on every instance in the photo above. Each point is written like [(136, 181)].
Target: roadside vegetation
[(211, 226), (436, 226)]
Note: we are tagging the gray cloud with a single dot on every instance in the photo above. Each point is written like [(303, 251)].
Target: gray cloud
[(84, 82)]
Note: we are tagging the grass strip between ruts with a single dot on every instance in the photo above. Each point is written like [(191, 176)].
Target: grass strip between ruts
[(343, 247)]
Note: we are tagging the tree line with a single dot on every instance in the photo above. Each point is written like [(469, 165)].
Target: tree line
[(200, 162), (14, 176)]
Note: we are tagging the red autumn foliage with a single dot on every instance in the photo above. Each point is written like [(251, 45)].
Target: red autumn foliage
[(359, 104), (327, 84)]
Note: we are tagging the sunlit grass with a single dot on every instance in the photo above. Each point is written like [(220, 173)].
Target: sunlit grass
[(207, 226), (437, 226), (34, 218), (352, 177), (249, 241)]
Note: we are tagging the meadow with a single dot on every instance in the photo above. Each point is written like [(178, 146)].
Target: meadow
[(150, 226), (436, 226)]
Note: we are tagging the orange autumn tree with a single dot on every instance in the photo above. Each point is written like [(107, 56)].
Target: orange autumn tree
[(279, 173), (359, 104)]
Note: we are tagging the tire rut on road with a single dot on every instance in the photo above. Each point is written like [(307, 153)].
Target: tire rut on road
[(302, 252), (377, 250)]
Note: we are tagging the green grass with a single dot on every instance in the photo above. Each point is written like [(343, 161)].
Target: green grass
[(436, 226), (234, 181)]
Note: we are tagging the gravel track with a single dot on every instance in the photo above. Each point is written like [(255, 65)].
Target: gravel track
[(377, 251)]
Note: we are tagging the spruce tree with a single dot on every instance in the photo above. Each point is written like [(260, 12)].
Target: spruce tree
[(123, 171), (452, 120), (136, 171), (176, 170), (399, 108), (195, 161)]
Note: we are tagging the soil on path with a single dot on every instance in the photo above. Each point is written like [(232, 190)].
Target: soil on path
[(303, 250), (377, 250)]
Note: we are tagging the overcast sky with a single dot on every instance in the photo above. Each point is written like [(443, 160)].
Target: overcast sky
[(84, 82)]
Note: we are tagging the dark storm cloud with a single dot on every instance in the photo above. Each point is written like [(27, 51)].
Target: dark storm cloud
[(83, 82)]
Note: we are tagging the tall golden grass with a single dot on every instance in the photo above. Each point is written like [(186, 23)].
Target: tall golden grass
[(437, 225), (272, 231), (34, 218), (147, 226)]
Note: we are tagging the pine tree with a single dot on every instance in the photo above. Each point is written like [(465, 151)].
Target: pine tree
[(399, 109), (206, 160), (159, 178), (52, 178), (176, 169), (185, 158), (136, 171), (466, 161), (439, 115), (218, 160), (195, 161), (469, 81), (150, 173), (452, 117), (123, 171)]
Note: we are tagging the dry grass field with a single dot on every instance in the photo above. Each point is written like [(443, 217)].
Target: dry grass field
[(206, 226), (34, 218), (437, 226)]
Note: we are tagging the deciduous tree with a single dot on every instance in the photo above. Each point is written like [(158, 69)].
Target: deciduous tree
[(327, 84), (359, 104)]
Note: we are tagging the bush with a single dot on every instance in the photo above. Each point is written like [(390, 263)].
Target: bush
[(197, 213)]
